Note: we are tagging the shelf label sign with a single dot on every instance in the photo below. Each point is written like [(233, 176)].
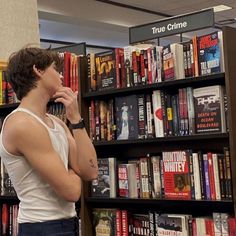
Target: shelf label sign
[(174, 25)]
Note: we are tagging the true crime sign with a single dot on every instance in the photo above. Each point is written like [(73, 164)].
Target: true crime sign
[(174, 25)]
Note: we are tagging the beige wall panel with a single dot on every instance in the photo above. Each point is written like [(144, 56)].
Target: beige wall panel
[(18, 25)]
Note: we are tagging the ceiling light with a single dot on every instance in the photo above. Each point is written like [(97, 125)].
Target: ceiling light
[(219, 8)]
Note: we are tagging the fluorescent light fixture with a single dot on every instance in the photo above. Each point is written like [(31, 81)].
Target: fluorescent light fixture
[(219, 8)]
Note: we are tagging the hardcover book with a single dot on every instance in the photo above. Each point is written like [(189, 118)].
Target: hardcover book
[(126, 117), (105, 70), (209, 53), (209, 109), (176, 174), (105, 184), (104, 221)]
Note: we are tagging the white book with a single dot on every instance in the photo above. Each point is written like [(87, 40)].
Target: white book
[(216, 176), (157, 113), (178, 56), (191, 111), (113, 181), (159, 50), (196, 174), (201, 226), (156, 172), (221, 45), (224, 224)]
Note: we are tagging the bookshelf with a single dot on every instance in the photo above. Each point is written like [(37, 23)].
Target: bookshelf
[(139, 147)]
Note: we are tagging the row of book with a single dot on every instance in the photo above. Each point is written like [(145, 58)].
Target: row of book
[(148, 64), (120, 222), (70, 69), (7, 95), (58, 110), (185, 111), (182, 174), (8, 220)]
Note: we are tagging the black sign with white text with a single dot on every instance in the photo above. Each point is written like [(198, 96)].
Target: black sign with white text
[(174, 25)]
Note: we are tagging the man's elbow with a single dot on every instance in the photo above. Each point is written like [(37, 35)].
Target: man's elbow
[(72, 196), (91, 175)]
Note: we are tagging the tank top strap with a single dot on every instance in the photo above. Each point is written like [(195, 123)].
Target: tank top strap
[(32, 114)]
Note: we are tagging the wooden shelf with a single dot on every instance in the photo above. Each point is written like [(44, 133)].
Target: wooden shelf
[(9, 199), (217, 78), (164, 139), (9, 106), (162, 205), (3, 64)]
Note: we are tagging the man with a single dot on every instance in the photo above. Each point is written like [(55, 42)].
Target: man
[(44, 160)]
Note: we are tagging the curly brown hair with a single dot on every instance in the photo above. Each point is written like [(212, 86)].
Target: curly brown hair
[(20, 72)]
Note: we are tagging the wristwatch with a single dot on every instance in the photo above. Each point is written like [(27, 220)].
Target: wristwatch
[(79, 125)]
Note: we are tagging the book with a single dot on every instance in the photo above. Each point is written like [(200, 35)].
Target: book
[(209, 53), (175, 225), (176, 174), (104, 221), (105, 70), (209, 109), (126, 109), (105, 184), (157, 113), (127, 181)]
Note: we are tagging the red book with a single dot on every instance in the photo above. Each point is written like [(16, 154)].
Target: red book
[(232, 226), (176, 174), (124, 217), (209, 227), (211, 176), (118, 223), (67, 57)]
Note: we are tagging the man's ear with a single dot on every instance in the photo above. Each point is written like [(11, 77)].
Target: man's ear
[(37, 72)]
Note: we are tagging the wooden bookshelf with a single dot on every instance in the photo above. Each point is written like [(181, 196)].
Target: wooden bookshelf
[(134, 148), (3, 64)]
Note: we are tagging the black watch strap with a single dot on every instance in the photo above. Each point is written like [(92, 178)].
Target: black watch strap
[(79, 125)]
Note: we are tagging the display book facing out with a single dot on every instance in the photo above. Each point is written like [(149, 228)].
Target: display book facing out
[(176, 142)]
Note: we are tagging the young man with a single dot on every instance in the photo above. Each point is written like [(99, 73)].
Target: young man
[(44, 160)]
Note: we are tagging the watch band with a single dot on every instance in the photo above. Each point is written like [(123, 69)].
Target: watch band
[(79, 125)]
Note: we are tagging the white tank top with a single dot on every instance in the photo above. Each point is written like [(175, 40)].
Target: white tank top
[(38, 201)]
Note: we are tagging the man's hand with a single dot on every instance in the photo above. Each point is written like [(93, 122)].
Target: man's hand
[(69, 98)]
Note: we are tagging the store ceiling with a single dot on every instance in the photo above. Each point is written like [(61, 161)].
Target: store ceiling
[(101, 22)]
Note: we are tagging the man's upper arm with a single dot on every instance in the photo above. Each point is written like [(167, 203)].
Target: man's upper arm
[(72, 147), (33, 141)]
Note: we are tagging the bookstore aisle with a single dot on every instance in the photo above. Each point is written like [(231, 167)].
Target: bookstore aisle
[(161, 118), (162, 121)]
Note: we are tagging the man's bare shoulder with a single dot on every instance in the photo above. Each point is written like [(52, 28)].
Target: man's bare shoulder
[(20, 121), (21, 129)]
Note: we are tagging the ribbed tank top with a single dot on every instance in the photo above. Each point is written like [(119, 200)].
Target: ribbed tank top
[(38, 201)]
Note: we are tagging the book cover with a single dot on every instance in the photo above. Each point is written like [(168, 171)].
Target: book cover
[(168, 63), (105, 184), (209, 53), (209, 109), (105, 70), (157, 114), (176, 174), (171, 225), (104, 221), (126, 117)]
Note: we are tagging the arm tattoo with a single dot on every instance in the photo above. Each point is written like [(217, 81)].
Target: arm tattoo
[(92, 164)]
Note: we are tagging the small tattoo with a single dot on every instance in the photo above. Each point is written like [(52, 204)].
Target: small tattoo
[(92, 164)]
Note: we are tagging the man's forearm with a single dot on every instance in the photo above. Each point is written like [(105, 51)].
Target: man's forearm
[(86, 157)]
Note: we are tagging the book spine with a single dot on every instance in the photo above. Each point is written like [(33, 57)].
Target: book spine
[(206, 174), (141, 116)]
